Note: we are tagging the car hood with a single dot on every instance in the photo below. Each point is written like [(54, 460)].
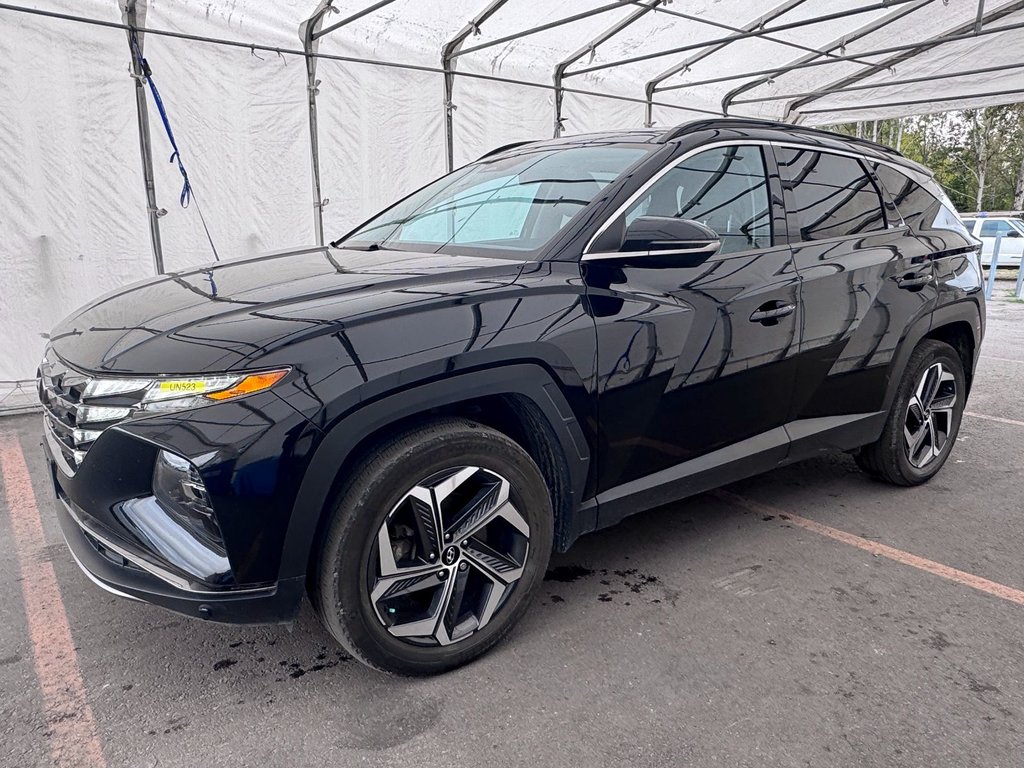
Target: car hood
[(236, 314)]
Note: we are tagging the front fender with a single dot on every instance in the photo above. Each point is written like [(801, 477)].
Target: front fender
[(529, 379)]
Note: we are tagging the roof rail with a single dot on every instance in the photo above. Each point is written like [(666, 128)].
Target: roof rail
[(750, 122), (505, 147)]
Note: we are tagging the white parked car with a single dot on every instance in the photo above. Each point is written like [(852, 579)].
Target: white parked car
[(988, 226)]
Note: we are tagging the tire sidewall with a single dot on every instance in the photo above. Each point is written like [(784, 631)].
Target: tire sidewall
[(362, 510), (928, 354)]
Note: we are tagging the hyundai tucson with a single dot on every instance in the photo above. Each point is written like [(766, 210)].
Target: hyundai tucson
[(405, 424)]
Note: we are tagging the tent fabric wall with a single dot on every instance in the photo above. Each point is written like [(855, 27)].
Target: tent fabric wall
[(72, 205)]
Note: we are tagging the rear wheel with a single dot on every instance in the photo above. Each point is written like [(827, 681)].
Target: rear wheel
[(435, 548), (924, 420)]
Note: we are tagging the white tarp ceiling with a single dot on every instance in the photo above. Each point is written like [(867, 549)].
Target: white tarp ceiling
[(73, 220)]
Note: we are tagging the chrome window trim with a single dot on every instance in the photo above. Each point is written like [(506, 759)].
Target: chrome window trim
[(599, 255), (589, 255)]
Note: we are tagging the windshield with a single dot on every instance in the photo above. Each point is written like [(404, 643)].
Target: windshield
[(503, 205)]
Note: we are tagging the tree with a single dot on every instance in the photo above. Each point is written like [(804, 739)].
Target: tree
[(977, 155)]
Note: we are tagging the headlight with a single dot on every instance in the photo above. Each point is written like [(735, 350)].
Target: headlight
[(172, 394)]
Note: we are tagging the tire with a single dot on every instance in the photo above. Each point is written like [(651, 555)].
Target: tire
[(892, 458), (374, 577)]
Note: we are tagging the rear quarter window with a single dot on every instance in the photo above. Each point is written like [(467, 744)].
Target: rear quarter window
[(833, 195), (920, 207)]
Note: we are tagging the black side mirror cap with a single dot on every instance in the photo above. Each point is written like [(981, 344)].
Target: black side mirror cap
[(666, 233), (663, 236)]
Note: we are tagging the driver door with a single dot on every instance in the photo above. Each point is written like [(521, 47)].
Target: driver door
[(694, 380)]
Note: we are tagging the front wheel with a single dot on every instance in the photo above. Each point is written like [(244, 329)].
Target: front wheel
[(924, 420), (435, 548)]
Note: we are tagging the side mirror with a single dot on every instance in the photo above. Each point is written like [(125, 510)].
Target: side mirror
[(668, 236)]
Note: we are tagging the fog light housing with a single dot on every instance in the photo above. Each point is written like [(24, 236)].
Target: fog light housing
[(179, 489)]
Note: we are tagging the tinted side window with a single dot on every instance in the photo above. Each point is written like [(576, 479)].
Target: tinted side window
[(834, 195), (921, 207), (916, 205), (725, 189)]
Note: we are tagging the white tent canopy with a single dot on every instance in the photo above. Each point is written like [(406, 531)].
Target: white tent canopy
[(73, 208)]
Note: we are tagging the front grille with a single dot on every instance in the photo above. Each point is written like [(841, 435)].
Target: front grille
[(72, 419)]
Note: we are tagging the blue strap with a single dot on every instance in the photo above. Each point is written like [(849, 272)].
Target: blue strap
[(186, 189), (187, 195)]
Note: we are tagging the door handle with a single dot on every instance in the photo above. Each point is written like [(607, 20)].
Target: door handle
[(913, 281), (770, 312)]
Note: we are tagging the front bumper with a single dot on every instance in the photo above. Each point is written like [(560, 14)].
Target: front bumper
[(251, 469), (116, 568)]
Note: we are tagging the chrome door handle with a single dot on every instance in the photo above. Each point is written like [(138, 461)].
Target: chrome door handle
[(769, 313), (913, 280)]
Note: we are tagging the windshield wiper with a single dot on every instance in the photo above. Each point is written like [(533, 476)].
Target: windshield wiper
[(367, 247)]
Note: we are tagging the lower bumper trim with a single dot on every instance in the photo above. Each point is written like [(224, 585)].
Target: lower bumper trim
[(274, 604)]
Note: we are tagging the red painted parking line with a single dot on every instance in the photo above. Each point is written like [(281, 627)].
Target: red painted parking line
[(1000, 419), (74, 740), (882, 550)]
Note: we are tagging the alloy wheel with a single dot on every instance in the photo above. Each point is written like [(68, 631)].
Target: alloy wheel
[(929, 417), (447, 557)]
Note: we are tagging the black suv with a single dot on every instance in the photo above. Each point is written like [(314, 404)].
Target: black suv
[(404, 424)]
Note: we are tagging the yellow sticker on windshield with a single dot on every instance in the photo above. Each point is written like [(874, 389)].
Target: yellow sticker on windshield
[(183, 387)]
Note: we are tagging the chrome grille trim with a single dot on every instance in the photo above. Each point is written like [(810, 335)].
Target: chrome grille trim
[(62, 394)]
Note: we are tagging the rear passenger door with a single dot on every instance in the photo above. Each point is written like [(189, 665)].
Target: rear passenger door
[(865, 280)]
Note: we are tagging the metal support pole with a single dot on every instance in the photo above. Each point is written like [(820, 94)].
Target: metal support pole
[(1018, 291), (649, 105), (133, 14), (991, 284), (652, 86), (590, 48), (309, 35), (448, 53)]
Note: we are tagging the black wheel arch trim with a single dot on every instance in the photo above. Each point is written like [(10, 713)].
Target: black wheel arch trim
[(967, 310), (530, 380)]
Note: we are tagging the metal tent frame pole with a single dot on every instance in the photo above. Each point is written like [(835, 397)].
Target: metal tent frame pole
[(744, 35), (887, 84), (839, 44), (912, 102), (651, 86), (617, 5), (972, 28), (349, 19), (774, 72), (133, 14), (560, 68), (731, 28), (309, 35), (448, 52), (384, 63)]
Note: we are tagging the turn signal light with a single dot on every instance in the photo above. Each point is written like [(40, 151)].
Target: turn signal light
[(256, 382)]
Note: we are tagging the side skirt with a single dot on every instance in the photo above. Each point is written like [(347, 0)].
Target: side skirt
[(792, 442)]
